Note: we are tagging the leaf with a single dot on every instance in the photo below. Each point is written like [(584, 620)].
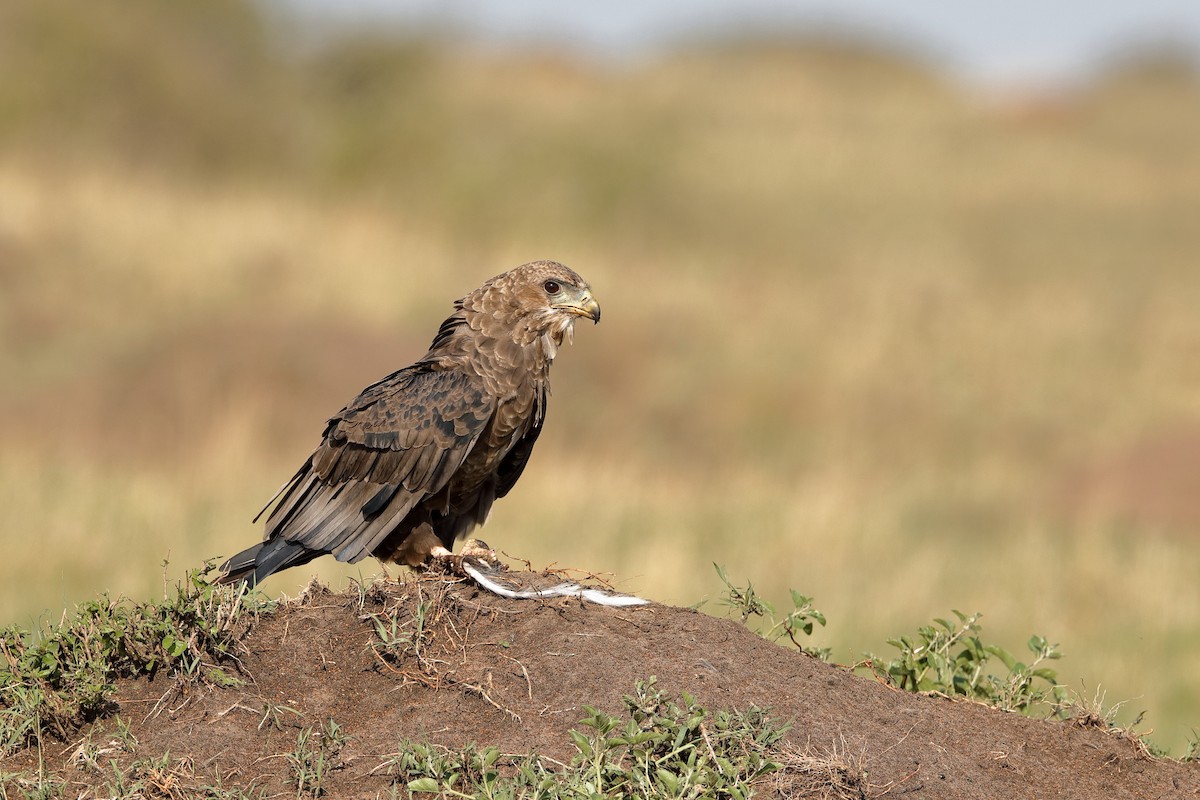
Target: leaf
[(423, 785), (582, 743), (1003, 655), (174, 646), (668, 780)]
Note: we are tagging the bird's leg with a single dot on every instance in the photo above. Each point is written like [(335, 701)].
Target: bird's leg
[(474, 552)]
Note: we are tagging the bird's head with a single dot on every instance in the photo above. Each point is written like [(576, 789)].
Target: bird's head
[(536, 301)]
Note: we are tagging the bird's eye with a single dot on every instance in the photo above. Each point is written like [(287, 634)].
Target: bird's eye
[(551, 287)]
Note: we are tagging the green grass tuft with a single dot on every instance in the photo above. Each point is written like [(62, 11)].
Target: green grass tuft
[(747, 603), (316, 754), (951, 659), (57, 678), (658, 748)]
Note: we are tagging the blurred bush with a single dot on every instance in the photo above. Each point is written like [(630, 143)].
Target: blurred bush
[(192, 84)]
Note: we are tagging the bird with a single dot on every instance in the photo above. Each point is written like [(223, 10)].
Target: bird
[(415, 461)]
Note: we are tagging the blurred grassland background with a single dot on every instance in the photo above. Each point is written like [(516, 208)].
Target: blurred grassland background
[(867, 334)]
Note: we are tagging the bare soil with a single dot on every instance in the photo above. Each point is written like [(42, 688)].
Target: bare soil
[(517, 674)]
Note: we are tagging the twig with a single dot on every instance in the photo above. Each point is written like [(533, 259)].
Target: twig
[(474, 687), (711, 752), (525, 672), (887, 789), (236, 706)]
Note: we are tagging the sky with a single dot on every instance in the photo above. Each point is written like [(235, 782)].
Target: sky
[(985, 42)]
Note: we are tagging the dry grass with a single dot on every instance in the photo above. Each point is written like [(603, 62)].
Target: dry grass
[(863, 337), (823, 774)]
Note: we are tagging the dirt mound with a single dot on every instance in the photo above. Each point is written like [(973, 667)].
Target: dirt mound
[(442, 663)]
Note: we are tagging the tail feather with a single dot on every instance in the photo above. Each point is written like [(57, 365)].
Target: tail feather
[(254, 564)]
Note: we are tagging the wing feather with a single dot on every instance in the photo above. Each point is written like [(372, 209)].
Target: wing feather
[(397, 444)]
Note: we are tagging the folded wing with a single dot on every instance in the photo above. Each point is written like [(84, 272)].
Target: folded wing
[(396, 445)]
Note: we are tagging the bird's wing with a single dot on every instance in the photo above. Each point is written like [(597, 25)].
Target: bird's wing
[(397, 444), (523, 415)]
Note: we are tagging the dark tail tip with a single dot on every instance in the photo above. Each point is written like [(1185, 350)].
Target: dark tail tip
[(266, 558), (241, 567)]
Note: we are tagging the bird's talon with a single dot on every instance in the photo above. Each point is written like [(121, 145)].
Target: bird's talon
[(480, 549), (475, 553)]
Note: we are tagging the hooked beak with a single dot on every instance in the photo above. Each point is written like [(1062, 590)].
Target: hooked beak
[(585, 306)]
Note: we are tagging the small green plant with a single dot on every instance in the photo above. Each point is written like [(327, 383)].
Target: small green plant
[(746, 602), (799, 620), (16, 785), (124, 736), (660, 748), (150, 777), (397, 637), (95, 756), (272, 715), (219, 791), (317, 753), (429, 768), (1192, 752), (951, 658)]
